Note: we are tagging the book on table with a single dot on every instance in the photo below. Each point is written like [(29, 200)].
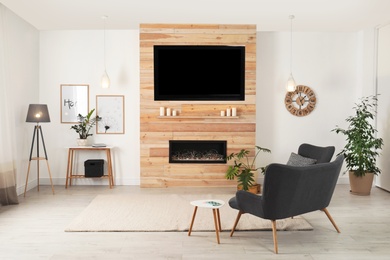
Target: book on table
[(99, 145)]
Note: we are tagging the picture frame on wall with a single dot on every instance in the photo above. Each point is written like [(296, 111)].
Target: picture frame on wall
[(74, 100), (111, 108)]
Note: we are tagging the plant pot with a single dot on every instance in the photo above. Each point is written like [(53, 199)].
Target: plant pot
[(255, 188), (82, 142), (361, 185)]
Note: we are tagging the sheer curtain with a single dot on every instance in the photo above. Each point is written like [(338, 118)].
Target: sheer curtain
[(8, 193)]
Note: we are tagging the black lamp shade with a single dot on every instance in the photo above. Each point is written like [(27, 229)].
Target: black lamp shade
[(38, 113)]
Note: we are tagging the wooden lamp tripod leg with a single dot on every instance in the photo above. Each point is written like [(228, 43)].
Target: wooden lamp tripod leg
[(47, 160), (37, 132), (29, 161)]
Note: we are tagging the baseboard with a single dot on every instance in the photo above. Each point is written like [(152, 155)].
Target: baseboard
[(85, 181), (123, 182)]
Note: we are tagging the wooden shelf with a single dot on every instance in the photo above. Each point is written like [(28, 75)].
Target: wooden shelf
[(198, 117)]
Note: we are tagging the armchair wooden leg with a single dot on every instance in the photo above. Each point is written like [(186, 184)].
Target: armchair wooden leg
[(275, 236), (236, 222), (331, 219)]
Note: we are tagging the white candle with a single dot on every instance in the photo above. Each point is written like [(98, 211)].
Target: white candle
[(223, 113), (162, 111), (234, 111), (168, 111), (174, 113), (228, 112)]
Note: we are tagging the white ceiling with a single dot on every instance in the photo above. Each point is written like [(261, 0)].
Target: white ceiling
[(268, 15)]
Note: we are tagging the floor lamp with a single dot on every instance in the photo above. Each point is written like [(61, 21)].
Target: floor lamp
[(37, 113)]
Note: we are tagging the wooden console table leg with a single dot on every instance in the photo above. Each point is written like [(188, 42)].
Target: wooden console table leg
[(67, 170), (71, 166), (109, 168)]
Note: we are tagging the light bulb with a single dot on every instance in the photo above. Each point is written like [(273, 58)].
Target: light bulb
[(291, 86), (105, 80)]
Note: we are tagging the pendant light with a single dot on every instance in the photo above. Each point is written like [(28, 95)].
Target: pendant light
[(291, 86), (105, 79)]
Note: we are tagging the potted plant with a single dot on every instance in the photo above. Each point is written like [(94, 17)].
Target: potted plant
[(361, 149), (244, 167), (84, 125)]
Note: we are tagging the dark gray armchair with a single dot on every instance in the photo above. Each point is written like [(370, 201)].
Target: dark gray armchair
[(290, 191), (321, 154)]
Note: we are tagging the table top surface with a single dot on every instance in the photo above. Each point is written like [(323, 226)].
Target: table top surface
[(89, 147), (209, 203)]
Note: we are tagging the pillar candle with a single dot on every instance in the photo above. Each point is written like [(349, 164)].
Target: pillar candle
[(228, 112), (174, 113), (162, 111), (234, 111), (223, 113), (168, 111)]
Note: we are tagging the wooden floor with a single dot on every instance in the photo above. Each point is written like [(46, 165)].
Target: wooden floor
[(34, 229)]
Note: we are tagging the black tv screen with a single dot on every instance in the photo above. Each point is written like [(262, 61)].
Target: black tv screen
[(201, 72)]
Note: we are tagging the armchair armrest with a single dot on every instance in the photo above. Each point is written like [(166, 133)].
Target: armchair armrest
[(249, 203)]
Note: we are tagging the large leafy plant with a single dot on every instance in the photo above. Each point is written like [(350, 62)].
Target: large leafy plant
[(244, 166), (361, 149), (85, 123)]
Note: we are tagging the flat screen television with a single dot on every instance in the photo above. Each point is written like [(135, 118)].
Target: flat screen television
[(199, 72)]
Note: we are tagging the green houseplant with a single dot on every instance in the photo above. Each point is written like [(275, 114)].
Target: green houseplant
[(85, 123), (244, 166), (362, 146)]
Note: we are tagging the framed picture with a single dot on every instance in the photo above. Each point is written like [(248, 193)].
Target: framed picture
[(112, 111), (74, 100)]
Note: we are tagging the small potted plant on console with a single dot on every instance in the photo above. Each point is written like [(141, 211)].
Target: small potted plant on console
[(85, 123)]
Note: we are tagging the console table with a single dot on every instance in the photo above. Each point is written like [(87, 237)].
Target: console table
[(71, 155)]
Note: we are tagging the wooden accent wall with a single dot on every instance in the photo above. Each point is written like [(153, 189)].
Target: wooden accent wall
[(197, 120)]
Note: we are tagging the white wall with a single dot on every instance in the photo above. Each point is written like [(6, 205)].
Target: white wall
[(366, 54), (77, 57), (328, 64), (22, 41), (383, 119)]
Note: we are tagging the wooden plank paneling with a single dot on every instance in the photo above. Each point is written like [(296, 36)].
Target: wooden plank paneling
[(162, 126), (202, 122)]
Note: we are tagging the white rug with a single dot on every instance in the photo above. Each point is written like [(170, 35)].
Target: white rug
[(130, 213)]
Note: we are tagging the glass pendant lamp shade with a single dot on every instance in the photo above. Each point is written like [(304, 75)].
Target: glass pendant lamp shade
[(291, 86), (105, 80)]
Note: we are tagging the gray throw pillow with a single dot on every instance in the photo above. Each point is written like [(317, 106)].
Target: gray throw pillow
[(298, 160)]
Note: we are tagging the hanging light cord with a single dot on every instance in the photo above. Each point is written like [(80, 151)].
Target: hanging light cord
[(291, 18), (104, 41)]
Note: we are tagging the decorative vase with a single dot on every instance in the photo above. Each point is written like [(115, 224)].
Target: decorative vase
[(82, 142), (254, 188), (361, 185)]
